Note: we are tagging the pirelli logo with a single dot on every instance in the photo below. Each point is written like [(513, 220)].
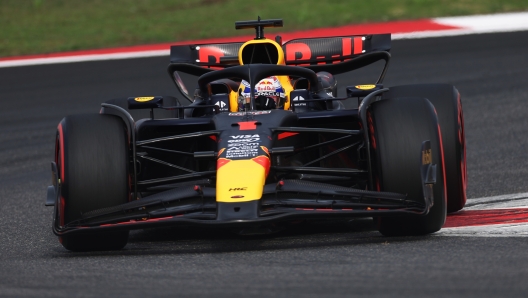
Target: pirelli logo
[(238, 189), (427, 157)]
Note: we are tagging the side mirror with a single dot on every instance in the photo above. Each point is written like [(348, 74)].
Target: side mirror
[(147, 102), (362, 90)]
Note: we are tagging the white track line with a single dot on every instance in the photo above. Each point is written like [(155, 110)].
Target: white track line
[(505, 22), (511, 201), (507, 230), (84, 58), (478, 24), (519, 200)]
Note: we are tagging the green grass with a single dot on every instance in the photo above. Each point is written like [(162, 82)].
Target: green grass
[(44, 26)]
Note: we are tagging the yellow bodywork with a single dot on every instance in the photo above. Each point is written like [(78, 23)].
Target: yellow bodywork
[(284, 80), (240, 181), (280, 52), (233, 101)]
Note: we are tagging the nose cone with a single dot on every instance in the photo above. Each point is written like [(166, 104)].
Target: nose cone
[(241, 180)]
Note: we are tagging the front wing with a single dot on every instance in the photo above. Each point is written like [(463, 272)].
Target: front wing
[(195, 205)]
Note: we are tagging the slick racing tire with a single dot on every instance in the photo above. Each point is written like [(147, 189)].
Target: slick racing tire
[(92, 159), (397, 129), (446, 100), (168, 101)]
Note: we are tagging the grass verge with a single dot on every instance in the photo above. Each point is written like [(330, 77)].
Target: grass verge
[(44, 26)]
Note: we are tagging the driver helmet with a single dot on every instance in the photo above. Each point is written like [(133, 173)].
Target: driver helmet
[(269, 94)]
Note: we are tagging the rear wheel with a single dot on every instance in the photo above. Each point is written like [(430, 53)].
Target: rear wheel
[(398, 127), (446, 100), (92, 158)]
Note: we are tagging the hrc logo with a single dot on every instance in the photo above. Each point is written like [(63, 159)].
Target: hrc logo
[(238, 189)]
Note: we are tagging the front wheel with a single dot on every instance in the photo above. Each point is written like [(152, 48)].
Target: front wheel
[(448, 105), (92, 158), (398, 127)]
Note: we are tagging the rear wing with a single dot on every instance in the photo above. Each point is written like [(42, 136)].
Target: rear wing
[(332, 54), (302, 52)]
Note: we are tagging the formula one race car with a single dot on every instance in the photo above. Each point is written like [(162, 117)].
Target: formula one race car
[(265, 141)]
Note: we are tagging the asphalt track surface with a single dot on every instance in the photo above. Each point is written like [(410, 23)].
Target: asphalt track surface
[(317, 260)]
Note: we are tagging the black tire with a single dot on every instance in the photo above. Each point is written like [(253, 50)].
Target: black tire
[(92, 158), (168, 101), (446, 100), (399, 126)]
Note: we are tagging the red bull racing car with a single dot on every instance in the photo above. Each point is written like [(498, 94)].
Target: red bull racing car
[(256, 139)]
